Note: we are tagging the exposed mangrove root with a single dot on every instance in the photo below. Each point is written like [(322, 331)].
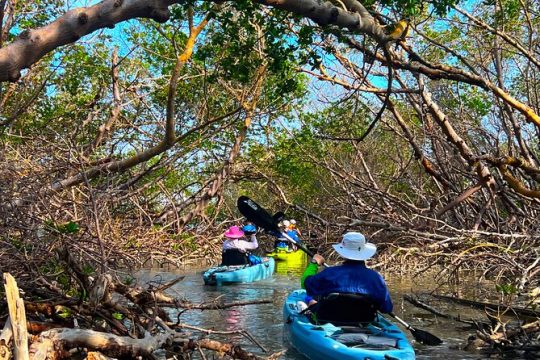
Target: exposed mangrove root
[(498, 334), (416, 302)]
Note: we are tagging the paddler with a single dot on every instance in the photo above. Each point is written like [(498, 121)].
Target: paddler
[(235, 249), (351, 277)]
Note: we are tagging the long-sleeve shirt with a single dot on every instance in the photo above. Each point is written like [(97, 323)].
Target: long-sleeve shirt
[(240, 244), (350, 277)]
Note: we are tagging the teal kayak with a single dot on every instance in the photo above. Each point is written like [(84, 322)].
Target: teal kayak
[(379, 340), (220, 275)]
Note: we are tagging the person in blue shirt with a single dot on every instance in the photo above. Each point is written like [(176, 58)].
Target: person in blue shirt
[(351, 277)]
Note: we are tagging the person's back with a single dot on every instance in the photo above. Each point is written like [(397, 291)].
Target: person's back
[(235, 250), (352, 277)]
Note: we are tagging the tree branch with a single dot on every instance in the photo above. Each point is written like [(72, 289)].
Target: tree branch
[(32, 45)]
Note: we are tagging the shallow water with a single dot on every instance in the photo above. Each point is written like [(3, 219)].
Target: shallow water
[(264, 322)]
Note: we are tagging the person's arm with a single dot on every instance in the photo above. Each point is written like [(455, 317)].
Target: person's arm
[(386, 305), (249, 245), (311, 269)]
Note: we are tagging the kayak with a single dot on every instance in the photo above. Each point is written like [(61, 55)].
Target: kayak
[(284, 255), (378, 340), (290, 268), (220, 275), (292, 262)]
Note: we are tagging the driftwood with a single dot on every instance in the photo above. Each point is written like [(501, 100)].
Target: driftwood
[(234, 351), (519, 338), (17, 317), (529, 328), (95, 355), (117, 333), (50, 344), (496, 335), (5, 338), (508, 310), (416, 302)]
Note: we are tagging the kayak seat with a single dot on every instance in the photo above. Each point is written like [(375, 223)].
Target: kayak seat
[(234, 257), (342, 309)]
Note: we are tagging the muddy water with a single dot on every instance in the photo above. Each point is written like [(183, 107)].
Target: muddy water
[(264, 321)]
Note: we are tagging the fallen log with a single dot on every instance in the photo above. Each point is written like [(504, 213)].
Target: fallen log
[(36, 327), (53, 343), (416, 302), (508, 310)]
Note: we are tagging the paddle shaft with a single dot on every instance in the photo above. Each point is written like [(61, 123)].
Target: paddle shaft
[(420, 335), (401, 321)]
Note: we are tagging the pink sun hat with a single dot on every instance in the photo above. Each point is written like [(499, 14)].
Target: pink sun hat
[(234, 232)]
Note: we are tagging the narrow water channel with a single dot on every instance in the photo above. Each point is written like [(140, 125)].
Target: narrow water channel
[(264, 321)]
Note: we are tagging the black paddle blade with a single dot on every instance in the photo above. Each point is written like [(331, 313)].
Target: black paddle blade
[(424, 337), (278, 216), (256, 214)]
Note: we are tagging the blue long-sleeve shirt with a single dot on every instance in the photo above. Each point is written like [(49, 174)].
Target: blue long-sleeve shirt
[(351, 277)]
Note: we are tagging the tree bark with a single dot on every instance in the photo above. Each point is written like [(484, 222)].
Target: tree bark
[(32, 45)]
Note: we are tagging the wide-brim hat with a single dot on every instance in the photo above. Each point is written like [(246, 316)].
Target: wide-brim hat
[(354, 246), (234, 232)]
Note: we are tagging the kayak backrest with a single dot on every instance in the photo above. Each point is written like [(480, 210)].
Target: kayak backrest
[(345, 309), (234, 257)]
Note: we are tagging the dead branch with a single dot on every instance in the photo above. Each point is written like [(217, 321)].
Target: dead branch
[(507, 310), (55, 341)]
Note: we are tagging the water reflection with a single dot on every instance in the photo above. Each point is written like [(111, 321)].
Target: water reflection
[(264, 321)]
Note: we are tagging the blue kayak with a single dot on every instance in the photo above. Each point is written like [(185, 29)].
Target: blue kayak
[(379, 340), (220, 275)]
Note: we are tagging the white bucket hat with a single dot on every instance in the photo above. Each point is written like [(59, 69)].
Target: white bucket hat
[(354, 247)]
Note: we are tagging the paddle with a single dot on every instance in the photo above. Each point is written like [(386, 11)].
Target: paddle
[(421, 336), (260, 217), (279, 216)]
